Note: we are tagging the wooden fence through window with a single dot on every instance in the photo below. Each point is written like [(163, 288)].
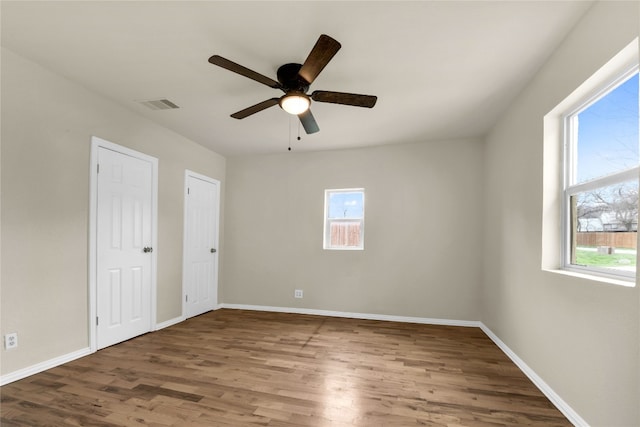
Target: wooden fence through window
[(345, 234), (627, 240)]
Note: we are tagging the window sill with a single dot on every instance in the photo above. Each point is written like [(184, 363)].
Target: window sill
[(343, 249), (628, 283)]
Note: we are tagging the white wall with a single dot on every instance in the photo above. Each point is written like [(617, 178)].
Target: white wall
[(422, 230), (47, 124), (580, 336)]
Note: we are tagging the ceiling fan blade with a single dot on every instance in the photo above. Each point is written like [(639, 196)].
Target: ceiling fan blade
[(308, 122), (324, 49), (354, 99), (243, 71), (255, 108)]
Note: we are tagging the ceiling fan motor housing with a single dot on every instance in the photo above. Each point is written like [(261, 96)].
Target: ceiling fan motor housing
[(290, 79)]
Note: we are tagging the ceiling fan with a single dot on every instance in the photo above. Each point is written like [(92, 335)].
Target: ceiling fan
[(294, 80)]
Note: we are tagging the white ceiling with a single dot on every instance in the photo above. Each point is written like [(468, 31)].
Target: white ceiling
[(440, 69)]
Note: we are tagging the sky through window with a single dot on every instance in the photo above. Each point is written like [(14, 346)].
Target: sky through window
[(608, 133)]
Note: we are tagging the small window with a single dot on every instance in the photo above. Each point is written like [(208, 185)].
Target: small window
[(344, 219), (600, 196)]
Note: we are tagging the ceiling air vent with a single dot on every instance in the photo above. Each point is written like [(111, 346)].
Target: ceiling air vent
[(159, 104)]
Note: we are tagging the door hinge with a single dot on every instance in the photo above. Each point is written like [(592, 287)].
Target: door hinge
[(97, 322), (186, 298), (98, 171), (188, 190)]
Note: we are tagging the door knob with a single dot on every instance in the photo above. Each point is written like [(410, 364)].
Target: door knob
[(213, 250), (147, 249)]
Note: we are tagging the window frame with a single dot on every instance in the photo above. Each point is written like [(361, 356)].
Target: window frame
[(569, 163), (326, 239)]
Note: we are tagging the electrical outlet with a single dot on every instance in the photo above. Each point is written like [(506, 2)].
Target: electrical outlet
[(11, 341), (297, 293)]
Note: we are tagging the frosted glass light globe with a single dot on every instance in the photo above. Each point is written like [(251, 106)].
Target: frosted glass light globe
[(296, 103)]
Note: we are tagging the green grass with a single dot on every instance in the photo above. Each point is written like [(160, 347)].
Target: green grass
[(591, 258)]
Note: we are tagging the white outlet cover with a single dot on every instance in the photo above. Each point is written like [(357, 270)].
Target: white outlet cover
[(11, 341)]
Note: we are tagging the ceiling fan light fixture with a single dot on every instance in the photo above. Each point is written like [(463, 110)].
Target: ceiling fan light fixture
[(295, 103)]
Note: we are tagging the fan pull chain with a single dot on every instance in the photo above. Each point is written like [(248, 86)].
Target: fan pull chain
[(298, 130), (289, 133)]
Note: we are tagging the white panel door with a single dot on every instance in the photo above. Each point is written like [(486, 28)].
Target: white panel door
[(200, 247), (124, 246)]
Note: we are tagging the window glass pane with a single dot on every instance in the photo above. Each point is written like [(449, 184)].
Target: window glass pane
[(344, 221), (607, 133), (346, 205), (604, 227)]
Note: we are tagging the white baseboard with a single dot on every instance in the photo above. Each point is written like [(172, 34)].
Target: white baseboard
[(366, 316), (43, 366), (169, 322), (559, 403)]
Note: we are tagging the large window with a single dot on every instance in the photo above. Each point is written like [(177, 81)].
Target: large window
[(600, 196), (344, 219)]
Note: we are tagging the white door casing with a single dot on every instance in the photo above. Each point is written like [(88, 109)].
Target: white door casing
[(122, 244), (200, 259)]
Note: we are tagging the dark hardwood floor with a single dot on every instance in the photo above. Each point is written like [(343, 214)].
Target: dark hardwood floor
[(237, 368)]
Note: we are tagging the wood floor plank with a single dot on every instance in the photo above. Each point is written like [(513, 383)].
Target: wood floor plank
[(244, 368)]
